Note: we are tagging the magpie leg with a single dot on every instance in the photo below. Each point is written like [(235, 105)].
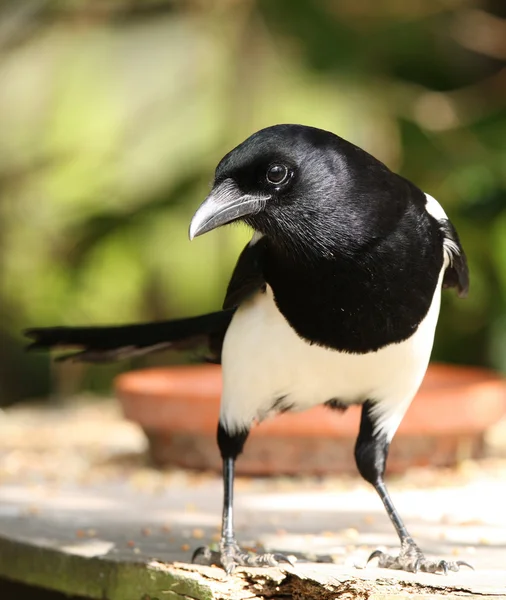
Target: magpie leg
[(371, 453), (230, 555)]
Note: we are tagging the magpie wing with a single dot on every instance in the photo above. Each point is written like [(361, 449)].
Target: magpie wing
[(457, 272), (247, 278)]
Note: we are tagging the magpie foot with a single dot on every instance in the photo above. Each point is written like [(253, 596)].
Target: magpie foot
[(230, 556), (412, 559)]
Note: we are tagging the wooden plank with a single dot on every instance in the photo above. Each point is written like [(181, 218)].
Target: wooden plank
[(98, 578), (94, 577), (82, 512)]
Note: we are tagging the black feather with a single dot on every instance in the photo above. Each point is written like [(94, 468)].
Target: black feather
[(457, 272), (104, 344), (247, 278)]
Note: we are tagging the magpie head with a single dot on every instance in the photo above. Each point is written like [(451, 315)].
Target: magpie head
[(297, 184)]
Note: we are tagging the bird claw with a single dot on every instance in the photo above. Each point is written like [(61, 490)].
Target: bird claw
[(463, 563), (230, 556), (412, 559)]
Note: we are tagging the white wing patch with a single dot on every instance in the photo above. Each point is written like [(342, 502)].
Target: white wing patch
[(435, 209), (450, 247)]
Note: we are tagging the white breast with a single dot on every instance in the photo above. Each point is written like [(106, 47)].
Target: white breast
[(264, 359)]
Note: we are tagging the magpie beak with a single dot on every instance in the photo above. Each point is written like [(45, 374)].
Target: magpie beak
[(226, 203)]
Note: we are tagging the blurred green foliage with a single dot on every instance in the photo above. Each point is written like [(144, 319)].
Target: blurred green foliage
[(113, 115)]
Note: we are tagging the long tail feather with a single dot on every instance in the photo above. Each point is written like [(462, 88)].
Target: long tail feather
[(105, 344)]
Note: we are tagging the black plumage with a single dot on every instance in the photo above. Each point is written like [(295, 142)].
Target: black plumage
[(334, 301)]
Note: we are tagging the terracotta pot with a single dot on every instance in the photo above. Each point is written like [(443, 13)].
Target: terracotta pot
[(178, 409)]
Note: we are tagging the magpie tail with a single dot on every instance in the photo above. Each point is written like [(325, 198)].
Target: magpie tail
[(106, 344)]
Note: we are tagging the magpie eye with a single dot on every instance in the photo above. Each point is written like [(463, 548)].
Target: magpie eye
[(277, 174)]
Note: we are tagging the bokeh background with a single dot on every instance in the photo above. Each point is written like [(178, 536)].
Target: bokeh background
[(114, 114)]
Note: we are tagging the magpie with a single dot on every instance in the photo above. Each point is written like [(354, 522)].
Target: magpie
[(334, 301)]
